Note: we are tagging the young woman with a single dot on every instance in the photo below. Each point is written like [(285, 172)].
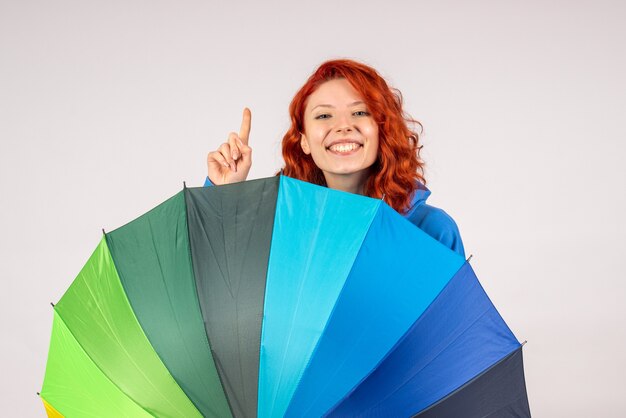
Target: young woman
[(348, 132)]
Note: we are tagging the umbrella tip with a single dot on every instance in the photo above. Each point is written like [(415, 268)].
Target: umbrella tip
[(103, 232), (52, 304), (470, 257), (38, 394), (184, 184), (524, 343)]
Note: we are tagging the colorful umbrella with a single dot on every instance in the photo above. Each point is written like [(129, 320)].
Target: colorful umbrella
[(276, 297)]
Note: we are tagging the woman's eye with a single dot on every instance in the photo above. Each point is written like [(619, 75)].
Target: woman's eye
[(323, 116), (361, 113)]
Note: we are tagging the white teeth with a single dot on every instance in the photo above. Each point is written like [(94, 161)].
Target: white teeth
[(344, 147)]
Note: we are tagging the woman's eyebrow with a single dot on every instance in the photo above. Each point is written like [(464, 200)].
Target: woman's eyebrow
[(358, 102), (322, 105)]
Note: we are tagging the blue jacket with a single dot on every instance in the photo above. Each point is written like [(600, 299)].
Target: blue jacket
[(434, 221)]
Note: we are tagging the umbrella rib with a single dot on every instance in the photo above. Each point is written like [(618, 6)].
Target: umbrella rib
[(241, 376), (124, 348), (241, 268), (469, 382), (297, 308), (226, 278), (225, 382), (201, 223), (239, 283), (214, 359), (341, 292), (222, 375), (236, 304), (171, 304), (156, 253), (432, 359), (98, 366), (336, 371), (521, 397), (402, 338), (254, 225)]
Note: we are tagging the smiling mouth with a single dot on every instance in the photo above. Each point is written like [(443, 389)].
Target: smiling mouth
[(344, 147)]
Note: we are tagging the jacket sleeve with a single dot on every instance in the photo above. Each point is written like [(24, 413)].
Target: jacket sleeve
[(439, 225), (451, 237)]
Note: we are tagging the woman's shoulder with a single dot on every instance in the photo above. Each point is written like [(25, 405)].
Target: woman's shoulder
[(434, 221)]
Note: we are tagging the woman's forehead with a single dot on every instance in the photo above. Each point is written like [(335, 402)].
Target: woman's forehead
[(334, 93)]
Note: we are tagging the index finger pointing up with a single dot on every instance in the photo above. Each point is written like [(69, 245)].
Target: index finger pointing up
[(246, 121)]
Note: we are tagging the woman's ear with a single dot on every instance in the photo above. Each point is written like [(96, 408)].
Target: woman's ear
[(304, 143)]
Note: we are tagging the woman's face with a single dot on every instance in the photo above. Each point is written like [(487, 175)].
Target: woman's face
[(339, 133)]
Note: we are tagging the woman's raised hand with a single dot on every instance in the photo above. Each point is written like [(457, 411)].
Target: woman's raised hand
[(232, 160)]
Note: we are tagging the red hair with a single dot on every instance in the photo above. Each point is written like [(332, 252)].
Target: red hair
[(398, 167)]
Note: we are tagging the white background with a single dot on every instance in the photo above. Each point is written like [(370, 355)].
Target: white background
[(106, 107)]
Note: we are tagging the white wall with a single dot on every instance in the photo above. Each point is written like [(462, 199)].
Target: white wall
[(106, 107)]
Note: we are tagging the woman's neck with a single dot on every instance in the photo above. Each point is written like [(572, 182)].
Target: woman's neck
[(351, 183)]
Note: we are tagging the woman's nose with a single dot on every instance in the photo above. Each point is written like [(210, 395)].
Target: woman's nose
[(343, 124)]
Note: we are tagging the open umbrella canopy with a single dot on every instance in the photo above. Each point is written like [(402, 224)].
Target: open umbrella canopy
[(276, 297)]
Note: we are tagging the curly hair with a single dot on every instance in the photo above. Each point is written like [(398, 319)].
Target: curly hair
[(398, 168)]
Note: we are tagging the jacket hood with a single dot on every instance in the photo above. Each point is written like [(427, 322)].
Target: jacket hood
[(419, 198)]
